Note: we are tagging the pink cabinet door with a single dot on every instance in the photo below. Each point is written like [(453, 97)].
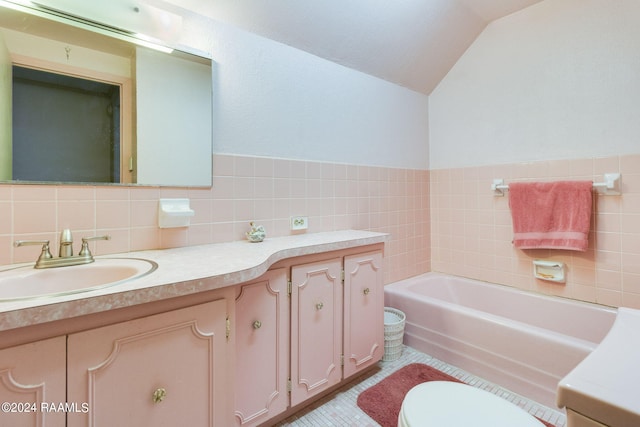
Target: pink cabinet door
[(168, 369), (33, 384), (363, 311), (316, 328), (262, 348)]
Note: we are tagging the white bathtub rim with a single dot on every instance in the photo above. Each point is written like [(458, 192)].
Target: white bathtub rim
[(529, 292), (605, 310)]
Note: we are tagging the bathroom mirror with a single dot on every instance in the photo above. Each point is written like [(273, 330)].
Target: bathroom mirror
[(92, 105)]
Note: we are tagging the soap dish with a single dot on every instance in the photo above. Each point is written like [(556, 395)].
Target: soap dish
[(552, 271)]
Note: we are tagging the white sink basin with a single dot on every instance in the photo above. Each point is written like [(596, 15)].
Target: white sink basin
[(28, 282)]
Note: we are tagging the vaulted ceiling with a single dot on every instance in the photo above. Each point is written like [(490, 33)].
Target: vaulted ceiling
[(412, 43)]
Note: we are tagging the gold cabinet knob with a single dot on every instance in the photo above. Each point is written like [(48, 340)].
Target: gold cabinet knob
[(257, 324), (319, 306), (159, 395), (366, 291)]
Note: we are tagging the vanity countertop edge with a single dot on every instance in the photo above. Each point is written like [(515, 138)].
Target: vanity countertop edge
[(183, 271)]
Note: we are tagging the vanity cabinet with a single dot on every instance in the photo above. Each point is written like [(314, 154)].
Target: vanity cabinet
[(316, 328), (330, 328), (33, 384), (214, 351), (337, 321), (363, 312), (165, 369), (262, 347)]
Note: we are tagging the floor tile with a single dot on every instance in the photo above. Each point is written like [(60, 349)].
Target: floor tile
[(340, 408)]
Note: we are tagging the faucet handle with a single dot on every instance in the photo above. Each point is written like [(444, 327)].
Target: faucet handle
[(19, 243), (45, 254), (84, 251)]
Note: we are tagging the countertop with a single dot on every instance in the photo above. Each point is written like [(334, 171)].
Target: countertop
[(182, 271)]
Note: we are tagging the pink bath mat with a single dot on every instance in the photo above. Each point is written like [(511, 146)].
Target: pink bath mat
[(382, 401)]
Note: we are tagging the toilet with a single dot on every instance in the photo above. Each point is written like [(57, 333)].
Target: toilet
[(603, 389), (451, 404)]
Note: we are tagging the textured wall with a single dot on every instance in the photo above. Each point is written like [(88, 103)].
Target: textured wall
[(558, 80)]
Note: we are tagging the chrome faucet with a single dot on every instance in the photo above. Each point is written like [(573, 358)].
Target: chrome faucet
[(66, 257)]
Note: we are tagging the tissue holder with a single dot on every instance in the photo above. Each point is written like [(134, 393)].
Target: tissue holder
[(174, 213)]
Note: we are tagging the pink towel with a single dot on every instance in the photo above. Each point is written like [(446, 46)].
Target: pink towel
[(551, 215)]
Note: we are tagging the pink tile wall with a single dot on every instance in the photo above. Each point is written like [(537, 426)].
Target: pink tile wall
[(265, 190), (471, 230), (465, 231)]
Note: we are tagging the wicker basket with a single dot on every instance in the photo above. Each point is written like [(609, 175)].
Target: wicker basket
[(394, 320)]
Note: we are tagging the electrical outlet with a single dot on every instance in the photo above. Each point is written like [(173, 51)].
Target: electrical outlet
[(299, 223)]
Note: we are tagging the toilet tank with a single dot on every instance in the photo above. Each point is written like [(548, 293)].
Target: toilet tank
[(603, 389)]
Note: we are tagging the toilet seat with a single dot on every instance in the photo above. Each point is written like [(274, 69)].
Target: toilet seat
[(451, 404)]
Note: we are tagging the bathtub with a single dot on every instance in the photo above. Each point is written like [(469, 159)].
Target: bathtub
[(523, 341)]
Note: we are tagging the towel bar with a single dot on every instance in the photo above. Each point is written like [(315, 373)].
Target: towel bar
[(610, 186)]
